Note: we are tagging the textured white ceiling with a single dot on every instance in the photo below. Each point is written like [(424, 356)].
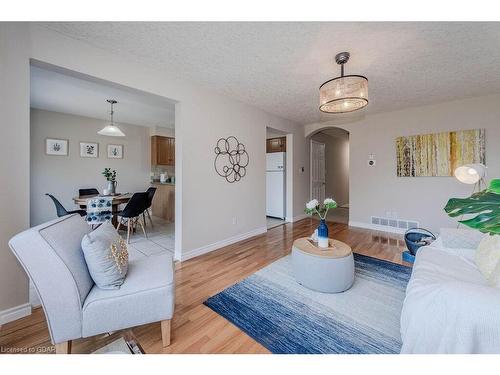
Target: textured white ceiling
[(279, 66), (54, 91)]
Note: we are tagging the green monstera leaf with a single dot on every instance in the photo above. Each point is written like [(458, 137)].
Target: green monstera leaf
[(486, 206), (495, 186)]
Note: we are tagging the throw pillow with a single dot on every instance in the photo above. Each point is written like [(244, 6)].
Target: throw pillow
[(106, 256), (460, 238), (494, 279), (487, 255)]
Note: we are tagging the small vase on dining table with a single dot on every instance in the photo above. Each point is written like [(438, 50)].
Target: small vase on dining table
[(323, 234), (111, 187)]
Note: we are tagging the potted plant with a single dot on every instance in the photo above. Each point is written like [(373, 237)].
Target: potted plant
[(313, 207), (483, 214), (110, 176)]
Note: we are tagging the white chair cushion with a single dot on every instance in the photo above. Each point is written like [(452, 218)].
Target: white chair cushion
[(65, 238), (147, 295)]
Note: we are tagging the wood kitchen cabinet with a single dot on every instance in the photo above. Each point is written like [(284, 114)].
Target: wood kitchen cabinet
[(162, 150), (164, 201), (276, 144)]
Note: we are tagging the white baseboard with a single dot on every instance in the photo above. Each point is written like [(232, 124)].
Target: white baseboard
[(217, 245), (15, 313), (381, 228)]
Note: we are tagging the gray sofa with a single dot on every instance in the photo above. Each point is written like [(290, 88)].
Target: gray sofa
[(52, 257)]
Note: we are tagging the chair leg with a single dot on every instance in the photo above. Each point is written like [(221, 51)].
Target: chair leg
[(63, 347), (144, 218), (150, 220), (129, 224), (143, 227), (165, 332)]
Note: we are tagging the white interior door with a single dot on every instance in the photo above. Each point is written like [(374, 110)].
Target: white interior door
[(317, 171)]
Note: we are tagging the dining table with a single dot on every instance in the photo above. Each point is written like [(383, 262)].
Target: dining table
[(116, 201)]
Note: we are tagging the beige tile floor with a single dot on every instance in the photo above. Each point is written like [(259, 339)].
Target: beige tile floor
[(161, 238)]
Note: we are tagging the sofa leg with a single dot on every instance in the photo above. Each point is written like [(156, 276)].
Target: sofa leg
[(165, 332), (63, 347)]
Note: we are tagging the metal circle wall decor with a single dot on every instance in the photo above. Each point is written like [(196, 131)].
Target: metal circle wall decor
[(231, 159)]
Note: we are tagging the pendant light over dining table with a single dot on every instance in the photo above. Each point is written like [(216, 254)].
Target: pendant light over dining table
[(346, 93), (111, 129)]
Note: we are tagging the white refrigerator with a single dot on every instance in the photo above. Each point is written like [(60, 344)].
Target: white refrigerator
[(275, 184)]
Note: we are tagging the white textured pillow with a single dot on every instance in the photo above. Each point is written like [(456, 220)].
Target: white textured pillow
[(494, 279), (487, 256), (460, 238)]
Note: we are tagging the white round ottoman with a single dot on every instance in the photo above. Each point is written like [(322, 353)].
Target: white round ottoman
[(328, 270)]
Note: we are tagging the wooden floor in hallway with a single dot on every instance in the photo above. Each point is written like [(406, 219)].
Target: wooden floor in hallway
[(196, 328)]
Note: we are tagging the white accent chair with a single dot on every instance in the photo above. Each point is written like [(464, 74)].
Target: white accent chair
[(52, 257)]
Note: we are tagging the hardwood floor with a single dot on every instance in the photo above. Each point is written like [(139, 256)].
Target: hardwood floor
[(196, 328)]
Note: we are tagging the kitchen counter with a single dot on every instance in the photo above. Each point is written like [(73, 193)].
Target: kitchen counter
[(163, 183)]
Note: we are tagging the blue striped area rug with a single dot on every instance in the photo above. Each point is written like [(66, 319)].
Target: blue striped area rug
[(288, 318)]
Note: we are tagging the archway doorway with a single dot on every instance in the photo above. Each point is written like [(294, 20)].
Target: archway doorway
[(330, 170)]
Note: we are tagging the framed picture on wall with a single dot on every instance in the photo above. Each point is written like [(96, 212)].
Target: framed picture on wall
[(115, 151), (439, 154), (89, 150), (58, 147)]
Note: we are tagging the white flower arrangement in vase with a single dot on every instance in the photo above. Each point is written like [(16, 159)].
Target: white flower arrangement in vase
[(313, 207)]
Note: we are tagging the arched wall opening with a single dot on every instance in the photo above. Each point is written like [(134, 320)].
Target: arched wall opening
[(329, 169)]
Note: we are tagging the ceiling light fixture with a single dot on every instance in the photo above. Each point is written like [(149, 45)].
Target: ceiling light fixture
[(346, 93), (111, 129)]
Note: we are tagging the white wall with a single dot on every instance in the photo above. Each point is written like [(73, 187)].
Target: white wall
[(162, 131), (336, 166), (205, 203), (14, 165), (62, 176), (377, 190), (270, 133)]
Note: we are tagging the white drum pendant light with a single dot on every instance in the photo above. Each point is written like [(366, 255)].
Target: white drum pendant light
[(111, 130), (346, 93)]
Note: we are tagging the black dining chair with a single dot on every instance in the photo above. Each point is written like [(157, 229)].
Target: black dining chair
[(132, 213), (61, 211), (151, 193), (89, 191)]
